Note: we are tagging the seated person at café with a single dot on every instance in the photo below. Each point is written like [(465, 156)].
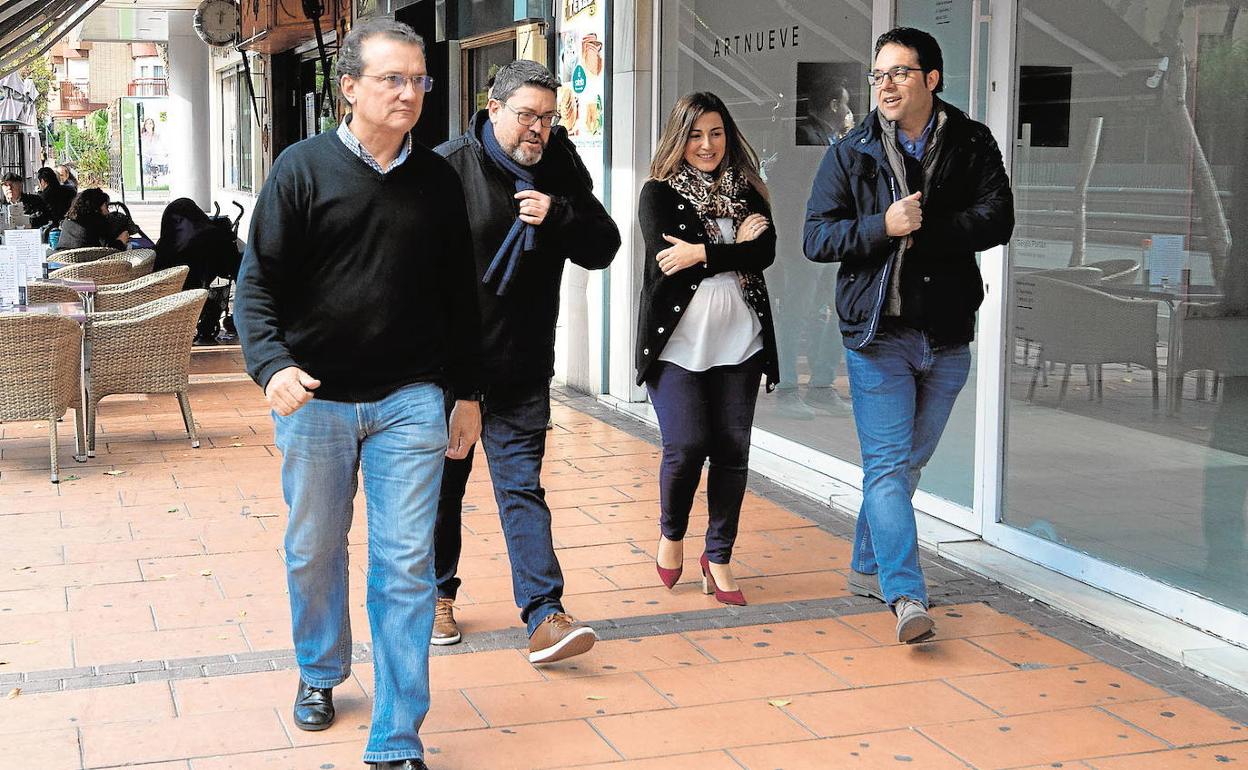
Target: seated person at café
[(66, 175), (57, 196), (88, 223), (32, 205)]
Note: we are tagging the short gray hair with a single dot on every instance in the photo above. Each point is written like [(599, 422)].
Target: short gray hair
[(351, 53), (520, 73)]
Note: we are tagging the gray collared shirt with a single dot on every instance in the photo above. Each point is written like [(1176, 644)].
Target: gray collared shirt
[(353, 144)]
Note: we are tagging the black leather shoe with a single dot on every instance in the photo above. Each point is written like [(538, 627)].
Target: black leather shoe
[(402, 764), (314, 707)]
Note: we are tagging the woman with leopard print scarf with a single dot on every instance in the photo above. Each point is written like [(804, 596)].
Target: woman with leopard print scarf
[(705, 335)]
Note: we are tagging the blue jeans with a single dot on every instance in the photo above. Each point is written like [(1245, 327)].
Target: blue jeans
[(513, 434), (400, 442), (903, 390), (705, 415)]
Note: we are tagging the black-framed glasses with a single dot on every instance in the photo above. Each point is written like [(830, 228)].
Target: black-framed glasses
[(527, 118), (895, 75), (396, 82)]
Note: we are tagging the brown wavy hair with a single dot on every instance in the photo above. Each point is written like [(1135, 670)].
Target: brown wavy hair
[(670, 153)]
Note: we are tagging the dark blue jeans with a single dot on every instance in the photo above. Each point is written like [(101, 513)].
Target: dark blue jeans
[(513, 435), (705, 415), (903, 390)]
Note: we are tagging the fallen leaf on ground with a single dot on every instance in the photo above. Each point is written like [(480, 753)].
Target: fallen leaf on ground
[(264, 515), (595, 697), (236, 444), (167, 577), (114, 473), (16, 691), (236, 438), (21, 569), (205, 572), (172, 510), (780, 703), (72, 478)]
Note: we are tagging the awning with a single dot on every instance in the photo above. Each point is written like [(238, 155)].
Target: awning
[(28, 28)]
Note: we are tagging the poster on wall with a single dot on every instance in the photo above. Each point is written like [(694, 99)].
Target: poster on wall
[(581, 68), (144, 149)]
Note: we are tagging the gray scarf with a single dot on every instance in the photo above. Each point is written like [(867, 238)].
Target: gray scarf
[(897, 161)]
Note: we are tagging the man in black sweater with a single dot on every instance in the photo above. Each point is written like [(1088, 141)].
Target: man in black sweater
[(358, 316), (531, 204)]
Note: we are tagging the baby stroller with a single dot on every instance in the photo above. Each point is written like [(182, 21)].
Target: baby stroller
[(208, 245), (119, 214)]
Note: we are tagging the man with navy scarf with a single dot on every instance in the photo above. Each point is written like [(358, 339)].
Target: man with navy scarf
[(531, 207)]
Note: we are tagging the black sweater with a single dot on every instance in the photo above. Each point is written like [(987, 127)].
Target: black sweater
[(518, 329), (362, 280)]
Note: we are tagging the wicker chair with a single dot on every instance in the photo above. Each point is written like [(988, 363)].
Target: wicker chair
[(85, 254), (123, 296), (146, 349), (39, 378), (38, 292), (141, 261), (102, 271)]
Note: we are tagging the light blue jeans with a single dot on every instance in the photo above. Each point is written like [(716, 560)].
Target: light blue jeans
[(400, 442), (903, 391)]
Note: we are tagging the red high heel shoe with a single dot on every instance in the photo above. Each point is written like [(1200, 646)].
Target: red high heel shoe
[(708, 586), (668, 576)]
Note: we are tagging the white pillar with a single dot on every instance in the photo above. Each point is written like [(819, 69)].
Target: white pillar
[(190, 126)]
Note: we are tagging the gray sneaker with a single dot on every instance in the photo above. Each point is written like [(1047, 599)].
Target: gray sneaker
[(862, 584), (826, 399), (913, 622)]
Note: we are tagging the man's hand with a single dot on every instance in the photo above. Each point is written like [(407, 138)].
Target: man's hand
[(751, 227), (904, 216), (124, 236), (680, 255), (290, 389), (465, 428), (534, 206)]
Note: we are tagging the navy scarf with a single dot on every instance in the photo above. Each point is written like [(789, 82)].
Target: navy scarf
[(522, 238)]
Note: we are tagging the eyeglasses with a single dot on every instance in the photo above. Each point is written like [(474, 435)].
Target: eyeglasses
[(527, 118), (895, 75), (399, 83)]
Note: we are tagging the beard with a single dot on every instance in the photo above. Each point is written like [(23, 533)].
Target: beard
[(523, 153)]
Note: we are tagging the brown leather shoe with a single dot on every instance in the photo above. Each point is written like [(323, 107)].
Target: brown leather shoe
[(560, 636), (445, 629)]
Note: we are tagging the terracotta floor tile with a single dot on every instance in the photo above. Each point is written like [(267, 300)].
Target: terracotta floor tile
[(498, 588), (97, 620), (332, 755), (20, 558), (1032, 649), (575, 498), (1039, 738), (31, 600), (635, 654), (743, 680), (642, 460), (1022, 692), (956, 621), (64, 575), (633, 511), (792, 588), (876, 709), (45, 749), (911, 663), (1178, 759), (573, 698), (450, 711), (643, 491), (698, 728), (136, 549), (767, 641), (158, 645), (706, 760), (275, 635), (77, 708), (37, 653), (599, 534), (1180, 721), (204, 735), (480, 669), (597, 555), (873, 751), (143, 593), (476, 618), (524, 747), (265, 689), (260, 608)]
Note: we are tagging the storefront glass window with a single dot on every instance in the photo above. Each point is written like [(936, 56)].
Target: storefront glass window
[(1128, 389), (792, 72)]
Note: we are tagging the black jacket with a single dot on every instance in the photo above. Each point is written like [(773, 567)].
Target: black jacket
[(58, 199), (36, 209), (969, 207), (91, 230), (518, 329), (662, 210)]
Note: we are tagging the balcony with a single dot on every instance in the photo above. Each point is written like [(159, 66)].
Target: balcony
[(75, 100), (148, 87)]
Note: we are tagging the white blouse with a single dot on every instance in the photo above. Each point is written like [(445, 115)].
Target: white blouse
[(718, 328)]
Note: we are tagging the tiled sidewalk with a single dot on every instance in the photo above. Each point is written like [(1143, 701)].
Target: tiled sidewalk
[(143, 622)]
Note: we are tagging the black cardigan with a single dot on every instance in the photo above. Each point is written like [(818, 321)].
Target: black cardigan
[(662, 210)]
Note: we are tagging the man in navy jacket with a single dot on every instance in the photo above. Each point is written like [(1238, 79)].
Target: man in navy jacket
[(904, 201)]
